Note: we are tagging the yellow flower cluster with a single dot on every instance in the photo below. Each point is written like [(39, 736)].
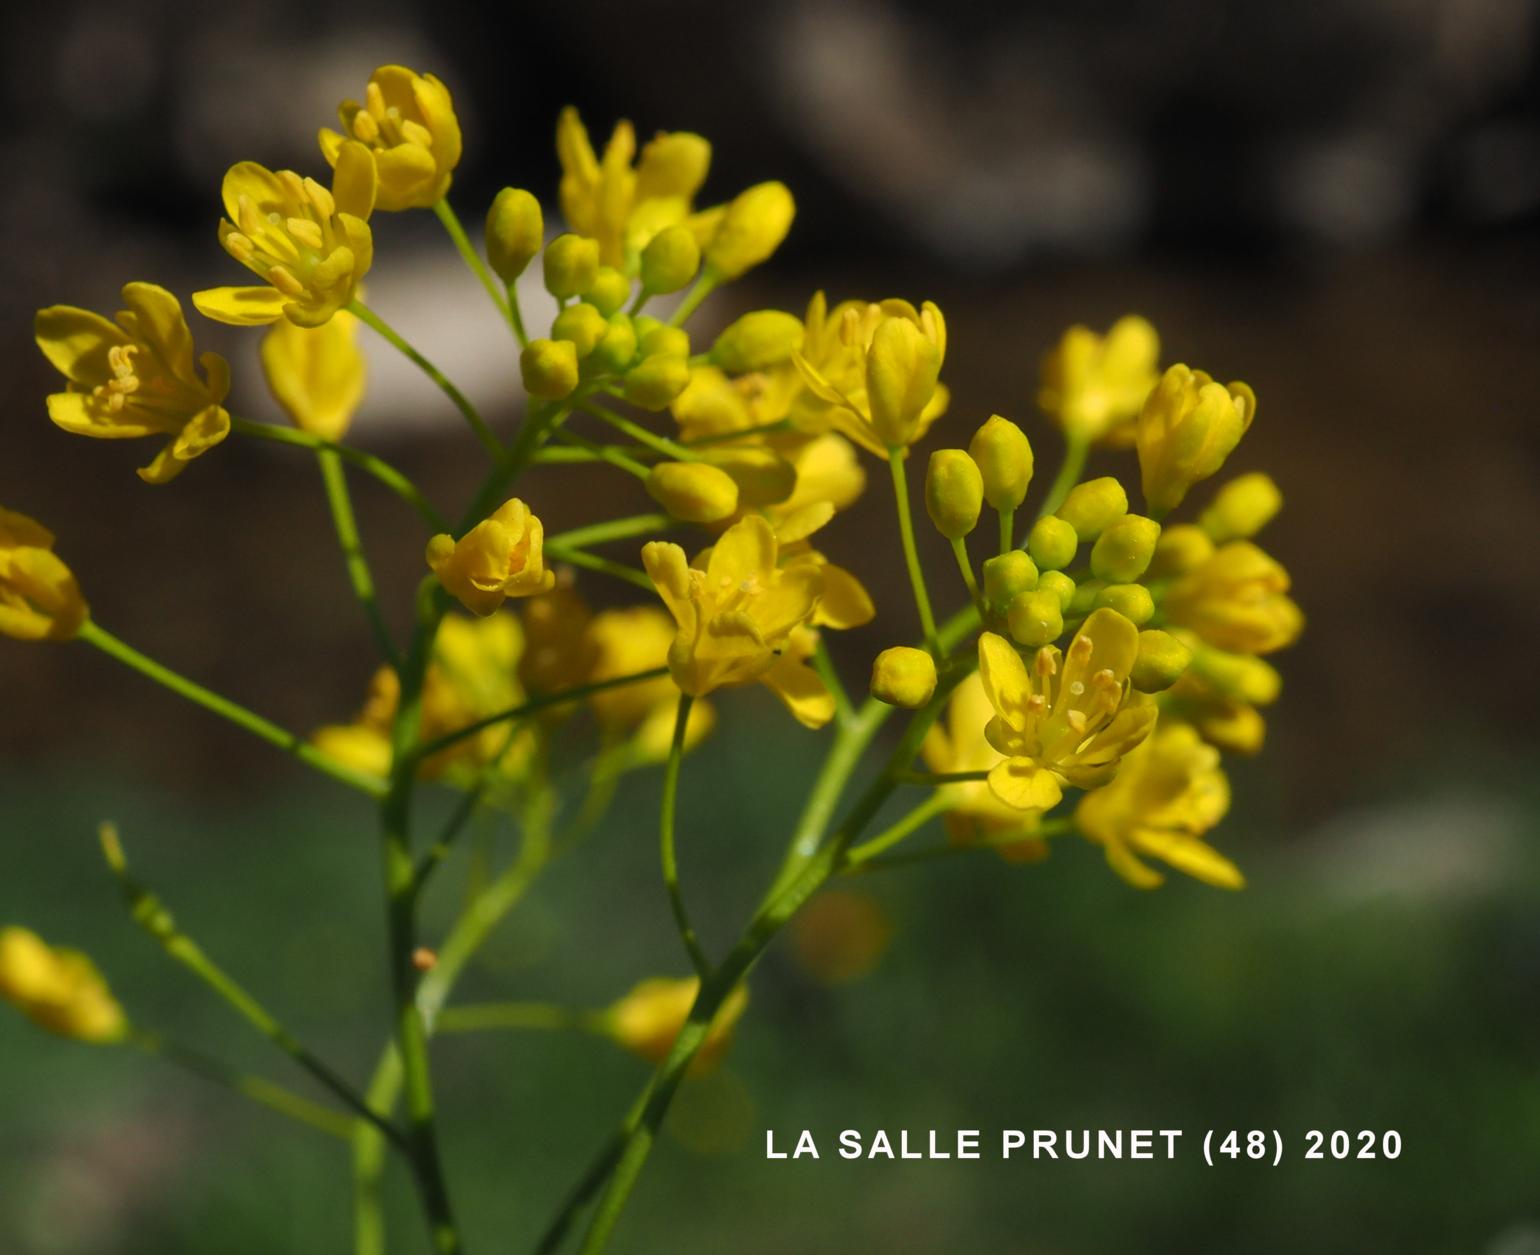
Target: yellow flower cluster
[(56, 989)]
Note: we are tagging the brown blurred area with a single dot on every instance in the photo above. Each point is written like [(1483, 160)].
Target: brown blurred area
[(1392, 348)]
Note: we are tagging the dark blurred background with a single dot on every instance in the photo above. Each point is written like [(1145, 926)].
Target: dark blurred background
[(1338, 203)]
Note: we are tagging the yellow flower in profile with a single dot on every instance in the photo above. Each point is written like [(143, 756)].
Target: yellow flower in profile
[(59, 990), (1188, 427), (647, 1020), (502, 556), (39, 598), (316, 373), (1236, 600), (1167, 794), (310, 246), (407, 123), (1094, 385), (136, 377), (1070, 720), (974, 814)]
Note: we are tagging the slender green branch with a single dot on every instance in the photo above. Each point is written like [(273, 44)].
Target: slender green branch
[(741, 433), (602, 566), (539, 422), (485, 1016), (932, 778), (614, 529), (965, 567), (359, 575), (436, 853), (451, 221), (911, 555), (1076, 449), (917, 818), (638, 433), (824, 665), (515, 314), (687, 932), (873, 863), (1007, 530), (605, 453), (704, 287)]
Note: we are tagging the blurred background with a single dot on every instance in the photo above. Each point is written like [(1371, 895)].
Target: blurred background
[(1339, 203)]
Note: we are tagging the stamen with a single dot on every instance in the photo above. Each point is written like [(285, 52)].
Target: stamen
[(365, 128), (283, 279), (248, 217), (374, 100), (318, 196), (306, 232), (293, 185), (416, 133)]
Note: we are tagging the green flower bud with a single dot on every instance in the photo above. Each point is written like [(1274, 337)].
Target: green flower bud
[(656, 380), (549, 369), (616, 349), (1124, 549), (1132, 601), (1052, 543), (1004, 455), (515, 228), (1242, 508), (1244, 677), (1006, 577), (670, 259), (1092, 505), (954, 492), (582, 324), (1181, 548), (609, 291), (903, 676), (1160, 662), (1060, 584), (656, 337), (571, 265), (763, 476), (764, 338), (1084, 599), (1036, 618), (693, 492), (752, 227)]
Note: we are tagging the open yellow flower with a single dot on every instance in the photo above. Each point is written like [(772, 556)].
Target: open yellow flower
[(647, 1020), (1188, 427), (1236, 600), (407, 123), (310, 246), (502, 556), (1167, 794), (59, 990), (136, 377), (316, 373), (1094, 385), (1070, 720), (39, 598), (625, 642)]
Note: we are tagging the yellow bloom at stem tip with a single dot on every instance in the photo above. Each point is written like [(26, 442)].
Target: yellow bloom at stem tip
[(59, 990), (1094, 385), (502, 556), (135, 376), (647, 1020), (39, 598), (1236, 600), (407, 124), (317, 374), (1188, 427), (310, 246)]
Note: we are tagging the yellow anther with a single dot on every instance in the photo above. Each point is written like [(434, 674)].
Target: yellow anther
[(293, 185), (239, 246), (365, 128), (1076, 720), (248, 217), (416, 133), (374, 100), (305, 231), (320, 198), (283, 279)]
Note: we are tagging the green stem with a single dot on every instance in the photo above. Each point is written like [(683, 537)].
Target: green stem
[(965, 566), (704, 287), (1075, 453), (666, 840), (515, 314), (931, 778), (1007, 530), (615, 529), (477, 424), (539, 422), (603, 566), (451, 221), (359, 575), (872, 863), (605, 453), (824, 665), (464, 809), (485, 1016), (92, 633), (741, 433), (638, 433), (911, 555), (890, 837)]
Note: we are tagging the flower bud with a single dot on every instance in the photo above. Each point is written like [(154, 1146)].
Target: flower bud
[(1243, 677), (571, 265), (757, 341), (1036, 618), (582, 324), (549, 368), (515, 229), (1187, 428), (1132, 601), (1180, 548), (502, 556), (1052, 543), (609, 291), (656, 380), (903, 676), (1004, 455), (1237, 600), (763, 476), (954, 492), (1006, 577), (1124, 549), (693, 492), (1092, 505), (1161, 660), (616, 349), (752, 227), (670, 259), (1242, 508), (656, 337), (902, 367), (1059, 584), (1083, 601)]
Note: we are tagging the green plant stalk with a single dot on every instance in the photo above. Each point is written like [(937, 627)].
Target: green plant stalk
[(911, 555), (539, 422), (640, 434), (889, 837), (452, 225), (93, 634), (824, 665), (482, 1017), (605, 453), (334, 478), (600, 565), (705, 285), (616, 529), (515, 314), (667, 856), (932, 778), (722, 437), (1007, 530), (876, 861), (1076, 449), (965, 567)]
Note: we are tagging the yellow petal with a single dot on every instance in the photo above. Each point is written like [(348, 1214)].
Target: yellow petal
[(745, 551), (241, 307), (845, 603), (74, 412), (1121, 859), (255, 182), (76, 341), (159, 321), (1021, 783), (800, 687), (354, 181), (1004, 675)]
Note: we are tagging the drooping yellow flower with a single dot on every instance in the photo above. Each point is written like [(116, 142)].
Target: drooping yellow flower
[(1236, 600), (502, 556), (316, 373), (39, 598), (310, 246), (1167, 794), (1188, 427), (1068, 723), (647, 1020), (1094, 385), (407, 123), (59, 990), (136, 377)]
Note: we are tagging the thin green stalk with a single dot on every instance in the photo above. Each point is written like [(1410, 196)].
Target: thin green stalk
[(487, 1016), (605, 453), (603, 566), (515, 314), (359, 575), (436, 853), (932, 778), (626, 427), (824, 665), (742, 433), (687, 932), (911, 555), (614, 529), (704, 287), (451, 221), (92, 633), (886, 862), (1075, 453), (965, 567), (889, 837), (539, 422), (1007, 530), (477, 424)]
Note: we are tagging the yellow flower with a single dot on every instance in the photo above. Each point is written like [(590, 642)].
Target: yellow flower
[(1188, 427), (136, 377), (316, 373), (974, 814), (1067, 724), (647, 1020), (1225, 722), (310, 246), (1236, 600), (559, 651), (39, 598), (59, 990), (501, 557), (407, 123), (625, 642), (1094, 385), (1167, 794)]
